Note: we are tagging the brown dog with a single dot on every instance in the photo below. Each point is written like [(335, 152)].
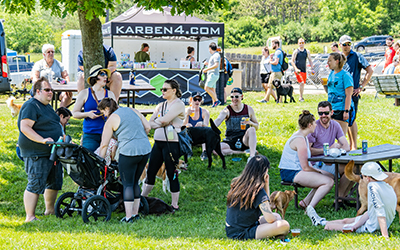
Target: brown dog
[(162, 174), (13, 107), (393, 180), (280, 201)]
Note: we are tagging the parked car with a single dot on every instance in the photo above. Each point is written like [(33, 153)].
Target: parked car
[(4, 71), (371, 41)]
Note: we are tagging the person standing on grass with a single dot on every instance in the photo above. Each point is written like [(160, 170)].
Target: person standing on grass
[(355, 62), (265, 72), (38, 124), (382, 202), (247, 199), (299, 63), (276, 69), (212, 74), (390, 52)]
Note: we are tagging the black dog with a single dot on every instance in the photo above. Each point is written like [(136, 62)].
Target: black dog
[(158, 206), (211, 137), (283, 90)]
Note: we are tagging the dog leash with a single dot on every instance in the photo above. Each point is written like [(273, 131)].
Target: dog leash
[(166, 137)]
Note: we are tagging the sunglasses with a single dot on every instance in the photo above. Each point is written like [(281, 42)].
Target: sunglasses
[(102, 73), (197, 99), (301, 42), (324, 113), (346, 44), (48, 90), (164, 89), (235, 96), (50, 52)]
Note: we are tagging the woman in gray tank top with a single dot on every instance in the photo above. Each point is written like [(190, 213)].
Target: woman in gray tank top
[(294, 167), (130, 128)]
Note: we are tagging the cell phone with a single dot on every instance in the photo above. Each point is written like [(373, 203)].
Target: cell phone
[(97, 112)]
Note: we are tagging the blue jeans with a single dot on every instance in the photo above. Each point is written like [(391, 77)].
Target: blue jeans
[(91, 141)]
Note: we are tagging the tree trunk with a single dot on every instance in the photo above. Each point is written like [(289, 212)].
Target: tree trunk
[(92, 42)]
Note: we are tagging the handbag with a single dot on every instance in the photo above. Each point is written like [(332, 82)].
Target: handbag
[(184, 140)]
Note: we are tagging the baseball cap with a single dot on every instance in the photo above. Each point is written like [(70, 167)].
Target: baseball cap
[(344, 39), (374, 170), (237, 90), (196, 93)]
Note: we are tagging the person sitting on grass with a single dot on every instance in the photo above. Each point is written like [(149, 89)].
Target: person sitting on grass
[(247, 199), (381, 205)]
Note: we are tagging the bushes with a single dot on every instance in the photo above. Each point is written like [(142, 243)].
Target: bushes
[(245, 32)]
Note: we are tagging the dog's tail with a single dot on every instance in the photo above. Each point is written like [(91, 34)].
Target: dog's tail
[(214, 127), (348, 171)]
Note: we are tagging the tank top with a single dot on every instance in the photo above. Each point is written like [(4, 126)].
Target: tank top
[(233, 123), (131, 136), (194, 122), (93, 126), (301, 58), (290, 159)]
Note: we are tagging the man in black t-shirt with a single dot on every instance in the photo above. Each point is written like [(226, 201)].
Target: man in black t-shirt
[(38, 124)]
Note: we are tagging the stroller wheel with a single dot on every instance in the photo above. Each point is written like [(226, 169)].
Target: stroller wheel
[(67, 205), (96, 208), (144, 206)]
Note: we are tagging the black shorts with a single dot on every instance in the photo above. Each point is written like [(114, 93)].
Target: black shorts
[(243, 234), (338, 115), (265, 78), (233, 141)]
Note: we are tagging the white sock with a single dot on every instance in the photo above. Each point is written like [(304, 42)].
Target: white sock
[(323, 223)]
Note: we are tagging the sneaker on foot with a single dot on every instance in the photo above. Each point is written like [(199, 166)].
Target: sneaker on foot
[(315, 219), (216, 103), (301, 100), (203, 156), (262, 101)]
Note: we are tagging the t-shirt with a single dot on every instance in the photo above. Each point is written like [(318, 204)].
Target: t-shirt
[(215, 58), (47, 124), (355, 62), (337, 85), (242, 219), (382, 202), (278, 54), (109, 56), (55, 71), (265, 65), (389, 54), (323, 135), (142, 56)]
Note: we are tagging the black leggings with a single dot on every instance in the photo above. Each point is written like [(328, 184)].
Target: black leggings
[(160, 154), (131, 168)]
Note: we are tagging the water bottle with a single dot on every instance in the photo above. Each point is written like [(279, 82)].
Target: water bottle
[(170, 132), (238, 144), (132, 77)]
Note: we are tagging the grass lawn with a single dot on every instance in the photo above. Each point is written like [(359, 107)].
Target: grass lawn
[(200, 222)]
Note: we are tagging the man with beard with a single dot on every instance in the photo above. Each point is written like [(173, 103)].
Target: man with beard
[(329, 131)]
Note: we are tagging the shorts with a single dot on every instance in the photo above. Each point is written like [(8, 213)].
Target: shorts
[(325, 167), (212, 80), (287, 175), (362, 229), (301, 77), (43, 174), (274, 76), (355, 101), (338, 115), (241, 234), (233, 141), (265, 78), (91, 141)]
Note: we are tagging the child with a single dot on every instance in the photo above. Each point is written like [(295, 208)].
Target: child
[(381, 205)]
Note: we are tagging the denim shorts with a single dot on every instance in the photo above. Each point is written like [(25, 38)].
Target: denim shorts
[(246, 234), (91, 141), (288, 175), (212, 80), (42, 174)]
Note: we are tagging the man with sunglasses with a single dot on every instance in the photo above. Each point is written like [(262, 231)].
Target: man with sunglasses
[(355, 62), (329, 131), (299, 63), (38, 124), (53, 70), (241, 125)]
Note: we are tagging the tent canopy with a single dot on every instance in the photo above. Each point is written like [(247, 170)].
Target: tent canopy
[(153, 23), (11, 52)]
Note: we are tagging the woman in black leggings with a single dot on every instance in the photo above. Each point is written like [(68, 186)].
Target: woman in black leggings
[(167, 121)]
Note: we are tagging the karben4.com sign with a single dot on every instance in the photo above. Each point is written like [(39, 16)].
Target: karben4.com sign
[(168, 29)]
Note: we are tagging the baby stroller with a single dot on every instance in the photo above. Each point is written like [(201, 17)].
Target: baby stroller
[(100, 190)]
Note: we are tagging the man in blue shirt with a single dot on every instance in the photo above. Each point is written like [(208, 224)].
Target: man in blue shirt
[(355, 62), (276, 68), (114, 83)]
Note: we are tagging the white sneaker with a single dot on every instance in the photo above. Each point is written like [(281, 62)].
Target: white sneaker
[(315, 219)]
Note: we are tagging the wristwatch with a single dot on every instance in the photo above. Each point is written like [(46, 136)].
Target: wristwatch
[(346, 111)]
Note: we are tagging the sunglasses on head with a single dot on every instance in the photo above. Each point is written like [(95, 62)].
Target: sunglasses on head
[(102, 73), (197, 99), (164, 89), (346, 44), (48, 90), (323, 113)]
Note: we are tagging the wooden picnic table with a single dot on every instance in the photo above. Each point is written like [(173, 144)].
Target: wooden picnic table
[(72, 87), (385, 152)]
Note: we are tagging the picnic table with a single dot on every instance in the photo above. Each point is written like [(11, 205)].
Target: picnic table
[(385, 152), (72, 87)]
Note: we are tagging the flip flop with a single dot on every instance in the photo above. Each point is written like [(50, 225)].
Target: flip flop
[(303, 205)]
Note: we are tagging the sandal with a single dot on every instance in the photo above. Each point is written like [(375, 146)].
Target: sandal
[(303, 205)]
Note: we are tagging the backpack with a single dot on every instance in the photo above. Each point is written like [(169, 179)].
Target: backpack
[(285, 62), (228, 68)]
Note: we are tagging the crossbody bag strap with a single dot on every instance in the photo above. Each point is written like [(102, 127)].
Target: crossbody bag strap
[(165, 132), (95, 98)]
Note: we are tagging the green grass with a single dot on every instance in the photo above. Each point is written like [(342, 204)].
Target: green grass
[(200, 222)]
